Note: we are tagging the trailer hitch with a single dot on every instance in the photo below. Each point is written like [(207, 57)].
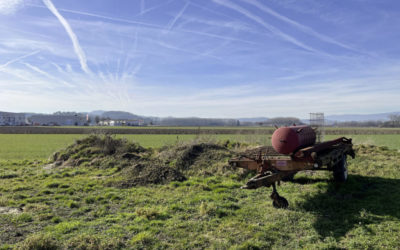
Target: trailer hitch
[(277, 200), (267, 180)]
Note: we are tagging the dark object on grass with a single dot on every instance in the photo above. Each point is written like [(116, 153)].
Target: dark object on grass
[(273, 167)]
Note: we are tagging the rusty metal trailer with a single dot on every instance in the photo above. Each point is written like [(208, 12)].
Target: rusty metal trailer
[(272, 167)]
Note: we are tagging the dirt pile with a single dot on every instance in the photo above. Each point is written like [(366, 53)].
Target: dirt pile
[(136, 165), (98, 150), (195, 158), (139, 175)]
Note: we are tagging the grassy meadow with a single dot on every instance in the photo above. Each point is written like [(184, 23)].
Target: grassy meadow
[(76, 207), (41, 146)]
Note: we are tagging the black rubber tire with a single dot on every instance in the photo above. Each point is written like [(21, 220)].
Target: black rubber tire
[(280, 202), (340, 171)]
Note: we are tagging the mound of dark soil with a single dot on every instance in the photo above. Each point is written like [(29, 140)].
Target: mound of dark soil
[(135, 164), (200, 158), (139, 166), (97, 147), (143, 175), (187, 155)]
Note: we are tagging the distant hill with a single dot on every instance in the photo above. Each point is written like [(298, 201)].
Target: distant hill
[(97, 113), (115, 115), (120, 115), (253, 119), (359, 118), (244, 121)]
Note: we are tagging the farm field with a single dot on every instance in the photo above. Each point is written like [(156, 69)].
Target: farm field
[(82, 206), (41, 146), (181, 130)]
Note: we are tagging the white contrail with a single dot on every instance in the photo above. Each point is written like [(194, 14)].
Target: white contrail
[(36, 69), (300, 26), (141, 6), (78, 50), (59, 69), (153, 26), (172, 23), (18, 58), (266, 25), (115, 19), (9, 6)]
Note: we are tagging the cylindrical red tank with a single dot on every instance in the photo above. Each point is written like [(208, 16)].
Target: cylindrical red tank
[(287, 140)]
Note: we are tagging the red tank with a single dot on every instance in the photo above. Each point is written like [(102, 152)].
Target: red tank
[(287, 140)]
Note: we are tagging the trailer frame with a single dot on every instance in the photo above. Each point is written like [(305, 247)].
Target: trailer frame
[(272, 167)]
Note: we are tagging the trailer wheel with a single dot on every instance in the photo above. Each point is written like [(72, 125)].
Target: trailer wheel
[(340, 170)]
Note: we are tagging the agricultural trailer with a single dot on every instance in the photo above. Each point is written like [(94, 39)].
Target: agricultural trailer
[(293, 150)]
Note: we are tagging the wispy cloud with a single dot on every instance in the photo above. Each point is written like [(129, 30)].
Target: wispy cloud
[(169, 46), (141, 6), (2, 66), (223, 58), (44, 73), (19, 74), (173, 21), (77, 48), (232, 25), (144, 11), (298, 25), (266, 25), (9, 6), (143, 25)]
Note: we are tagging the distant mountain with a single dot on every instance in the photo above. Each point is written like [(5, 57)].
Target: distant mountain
[(122, 115), (359, 118), (97, 113), (253, 119), (195, 121)]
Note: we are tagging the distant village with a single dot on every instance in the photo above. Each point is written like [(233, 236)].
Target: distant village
[(122, 118), (63, 119)]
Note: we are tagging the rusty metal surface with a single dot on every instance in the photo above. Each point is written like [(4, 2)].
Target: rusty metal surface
[(264, 159), (272, 166), (287, 140)]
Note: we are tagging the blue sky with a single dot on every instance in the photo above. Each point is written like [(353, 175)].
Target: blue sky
[(216, 58)]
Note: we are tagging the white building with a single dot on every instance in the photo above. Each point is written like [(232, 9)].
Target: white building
[(12, 119), (121, 123), (57, 120)]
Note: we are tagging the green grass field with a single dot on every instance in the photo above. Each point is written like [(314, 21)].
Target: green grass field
[(76, 208), (41, 146)]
